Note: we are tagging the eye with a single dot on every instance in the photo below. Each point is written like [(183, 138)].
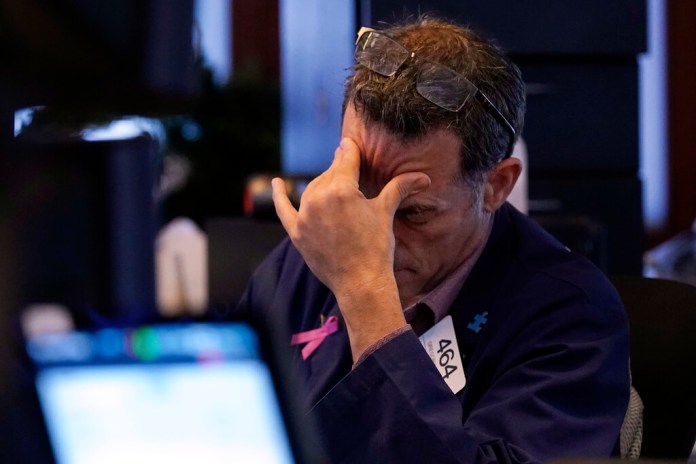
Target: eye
[(416, 214)]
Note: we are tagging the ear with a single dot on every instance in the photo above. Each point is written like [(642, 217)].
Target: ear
[(499, 183)]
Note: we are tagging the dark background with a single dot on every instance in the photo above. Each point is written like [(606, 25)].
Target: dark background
[(98, 59)]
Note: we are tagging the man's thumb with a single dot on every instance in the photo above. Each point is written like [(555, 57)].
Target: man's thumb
[(403, 186)]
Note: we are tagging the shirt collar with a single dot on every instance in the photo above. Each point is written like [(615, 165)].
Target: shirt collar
[(441, 297)]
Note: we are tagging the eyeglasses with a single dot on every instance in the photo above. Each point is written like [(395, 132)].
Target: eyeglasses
[(437, 83)]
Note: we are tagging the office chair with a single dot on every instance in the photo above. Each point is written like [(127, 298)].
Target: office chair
[(236, 246), (662, 315)]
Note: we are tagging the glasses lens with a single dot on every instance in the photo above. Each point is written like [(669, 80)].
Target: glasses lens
[(380, 54), (443, 86)]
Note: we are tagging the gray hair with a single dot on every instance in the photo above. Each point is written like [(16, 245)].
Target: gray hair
[(393, 102)]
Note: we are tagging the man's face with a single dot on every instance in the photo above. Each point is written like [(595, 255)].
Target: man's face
[(435, 230)]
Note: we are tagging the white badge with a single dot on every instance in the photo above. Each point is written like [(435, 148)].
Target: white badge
[(440, 343)]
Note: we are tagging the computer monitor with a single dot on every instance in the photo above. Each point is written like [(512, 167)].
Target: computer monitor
[(174, 393)]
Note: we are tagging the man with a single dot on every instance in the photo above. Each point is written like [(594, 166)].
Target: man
[(526, 358)]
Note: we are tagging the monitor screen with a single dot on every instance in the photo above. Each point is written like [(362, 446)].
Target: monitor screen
[(168, 393)]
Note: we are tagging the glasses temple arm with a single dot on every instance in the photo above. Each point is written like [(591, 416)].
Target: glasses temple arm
[(362, 31), (483, 99)]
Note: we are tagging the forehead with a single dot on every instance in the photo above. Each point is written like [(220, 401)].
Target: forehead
[(384, 155)]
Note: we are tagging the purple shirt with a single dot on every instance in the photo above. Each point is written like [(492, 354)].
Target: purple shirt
[(439, 300)]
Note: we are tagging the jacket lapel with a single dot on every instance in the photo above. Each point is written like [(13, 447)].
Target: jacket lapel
[(330, 362)]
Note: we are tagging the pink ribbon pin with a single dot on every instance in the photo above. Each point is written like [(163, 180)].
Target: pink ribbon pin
[(313, 338)]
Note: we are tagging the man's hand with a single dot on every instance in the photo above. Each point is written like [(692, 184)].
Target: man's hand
[(348, 242)]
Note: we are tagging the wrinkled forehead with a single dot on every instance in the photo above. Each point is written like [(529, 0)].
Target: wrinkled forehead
[(384, 155)]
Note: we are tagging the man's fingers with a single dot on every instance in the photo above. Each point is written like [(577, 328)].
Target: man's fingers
[(401, 187), (284, 209), (348, 161), (327, 176)]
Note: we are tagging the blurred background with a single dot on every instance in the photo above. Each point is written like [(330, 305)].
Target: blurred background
[(119, 119)]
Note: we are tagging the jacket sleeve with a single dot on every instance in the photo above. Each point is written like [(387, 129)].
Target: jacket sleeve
[(548, 399)]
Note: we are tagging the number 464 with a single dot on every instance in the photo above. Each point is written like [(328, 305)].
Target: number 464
[(446, 355)]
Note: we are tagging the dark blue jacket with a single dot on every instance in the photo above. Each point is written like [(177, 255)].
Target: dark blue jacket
[(547, 375)]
